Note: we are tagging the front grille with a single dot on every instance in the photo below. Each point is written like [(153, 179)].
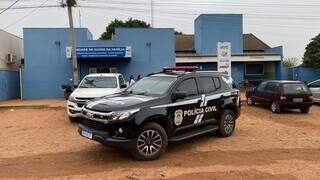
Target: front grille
[(94, 124)]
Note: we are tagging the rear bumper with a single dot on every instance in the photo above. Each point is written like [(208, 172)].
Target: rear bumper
[(294, 105), (104, 138)]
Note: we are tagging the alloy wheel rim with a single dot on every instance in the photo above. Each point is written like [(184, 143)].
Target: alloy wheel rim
[(228, 123), (149, 142), (273, 107), (249, 101)]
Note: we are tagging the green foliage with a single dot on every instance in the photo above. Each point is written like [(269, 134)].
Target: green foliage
[(291, 62), (130, 23), (312, 54)]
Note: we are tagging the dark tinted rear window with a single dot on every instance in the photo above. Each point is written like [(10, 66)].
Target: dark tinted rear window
[(207, 84), (294, 88)]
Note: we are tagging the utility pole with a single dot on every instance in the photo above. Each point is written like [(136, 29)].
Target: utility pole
[(70, 4), (151, 9)]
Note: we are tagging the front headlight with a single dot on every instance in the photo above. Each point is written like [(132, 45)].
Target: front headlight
[(121, 115), (72, 99)]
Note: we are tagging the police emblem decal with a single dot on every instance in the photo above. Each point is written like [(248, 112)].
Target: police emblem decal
[(178, 117)]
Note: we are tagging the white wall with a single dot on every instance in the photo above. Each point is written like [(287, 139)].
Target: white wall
[(10, 43)]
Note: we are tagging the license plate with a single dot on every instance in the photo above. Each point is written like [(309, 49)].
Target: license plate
[(297, 100), (86, 133)]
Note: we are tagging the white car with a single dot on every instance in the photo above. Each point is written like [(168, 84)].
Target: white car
[(314, 87), (93, 86)]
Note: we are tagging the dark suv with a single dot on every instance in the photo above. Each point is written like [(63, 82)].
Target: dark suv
[(281, 94), (170, 106)]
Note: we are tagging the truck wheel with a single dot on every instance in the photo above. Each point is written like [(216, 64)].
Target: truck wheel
[(305, 110), (275, 107), (73, 119), (151, 142), (250, 101), (227, 124)]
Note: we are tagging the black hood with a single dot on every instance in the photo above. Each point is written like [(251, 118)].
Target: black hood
[(120, 102)]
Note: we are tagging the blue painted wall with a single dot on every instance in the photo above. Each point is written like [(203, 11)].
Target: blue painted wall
[(47, 68), (281, 73), (9, 84), (306, 74), (213, 28)]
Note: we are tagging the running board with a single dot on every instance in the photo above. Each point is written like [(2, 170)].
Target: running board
[(205, 130)]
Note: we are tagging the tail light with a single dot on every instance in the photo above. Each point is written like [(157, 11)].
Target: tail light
[(283, 98)]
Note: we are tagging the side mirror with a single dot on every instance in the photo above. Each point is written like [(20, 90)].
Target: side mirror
[(123, 86), (179, 95)]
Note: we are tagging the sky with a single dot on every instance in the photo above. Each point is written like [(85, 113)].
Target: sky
[(288, 23)]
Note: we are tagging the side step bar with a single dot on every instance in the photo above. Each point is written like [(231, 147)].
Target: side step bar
[(205, 130)]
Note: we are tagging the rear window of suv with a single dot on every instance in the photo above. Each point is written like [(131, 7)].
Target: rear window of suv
[(294, 89)]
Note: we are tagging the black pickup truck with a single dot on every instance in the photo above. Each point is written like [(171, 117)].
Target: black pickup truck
[(170, 106)]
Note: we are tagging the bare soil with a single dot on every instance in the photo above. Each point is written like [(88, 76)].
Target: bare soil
[(42, 143)]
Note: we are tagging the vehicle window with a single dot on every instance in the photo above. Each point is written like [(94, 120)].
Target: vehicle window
[(152, 85), (216, 82), (272, 86), (207, 84), (121, 80), (294, 88), (189, 86), (315, 84), (262, 86), (99, 82)]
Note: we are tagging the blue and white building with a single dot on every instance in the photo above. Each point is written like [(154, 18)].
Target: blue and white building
[(11, 54), (140, 51)]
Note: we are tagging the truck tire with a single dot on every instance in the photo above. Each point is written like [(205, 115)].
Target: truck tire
[(227, 123), (275, 107), (151, 142), (305, 110), (73, 119)]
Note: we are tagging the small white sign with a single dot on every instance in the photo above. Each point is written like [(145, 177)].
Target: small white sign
[(224, 57), (68, 52)]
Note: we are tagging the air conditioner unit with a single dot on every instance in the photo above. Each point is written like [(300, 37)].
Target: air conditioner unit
[(10, 59)]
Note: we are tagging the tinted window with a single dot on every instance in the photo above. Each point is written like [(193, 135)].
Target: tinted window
[(254, 69), (315, 84), (294, 88), (207, 84), (152, 85), (272, 86), (189, 86), (216, 82), (262, 86)]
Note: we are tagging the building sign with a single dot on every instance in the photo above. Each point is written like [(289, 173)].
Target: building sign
[(224, 57), (101, 52)]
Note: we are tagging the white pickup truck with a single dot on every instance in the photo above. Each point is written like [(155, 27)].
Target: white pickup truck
[(93, 86)]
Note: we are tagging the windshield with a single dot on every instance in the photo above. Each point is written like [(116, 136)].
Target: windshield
[(294, 88), (152, 85), (99, 82)]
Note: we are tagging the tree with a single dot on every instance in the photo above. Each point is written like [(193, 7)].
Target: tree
[(312, 54), (130, 23), (291, 62)]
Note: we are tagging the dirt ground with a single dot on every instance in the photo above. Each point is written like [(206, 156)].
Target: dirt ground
[(42, 143)]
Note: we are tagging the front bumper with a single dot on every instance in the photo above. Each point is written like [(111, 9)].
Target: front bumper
[(295, 105), (105, 138), (73, 109)]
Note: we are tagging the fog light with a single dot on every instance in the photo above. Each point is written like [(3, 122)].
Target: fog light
[(120, 131)]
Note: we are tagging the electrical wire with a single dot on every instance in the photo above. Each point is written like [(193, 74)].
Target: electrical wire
[(6, 9)]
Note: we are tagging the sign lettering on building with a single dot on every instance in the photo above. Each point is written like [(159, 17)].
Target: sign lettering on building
[(224, 57), (101, 52)]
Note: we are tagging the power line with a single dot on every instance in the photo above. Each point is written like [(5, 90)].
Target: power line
[(9, 6), (34, 10)]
